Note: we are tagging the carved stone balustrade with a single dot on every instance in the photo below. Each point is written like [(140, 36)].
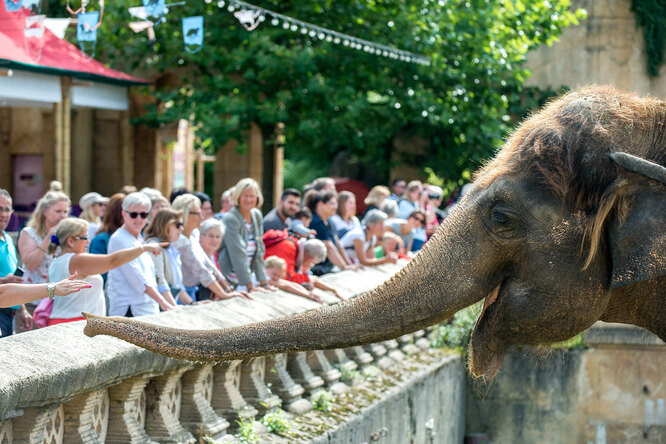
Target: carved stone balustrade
[(60, 386), (196, 412), (282, 384)]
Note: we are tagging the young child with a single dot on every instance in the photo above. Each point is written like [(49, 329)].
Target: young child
[(276, 269), (300, 223)]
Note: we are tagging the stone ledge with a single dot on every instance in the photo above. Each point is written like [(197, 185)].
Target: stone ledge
[(612, 334), (60, 362)]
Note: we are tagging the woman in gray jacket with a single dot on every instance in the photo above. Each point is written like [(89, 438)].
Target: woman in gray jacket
[(241, 255)]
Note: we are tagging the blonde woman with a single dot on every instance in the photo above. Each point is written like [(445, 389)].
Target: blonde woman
[(71, 242), (35, 237), (197, 272), (375, 199), (242, 255), (93, 206)]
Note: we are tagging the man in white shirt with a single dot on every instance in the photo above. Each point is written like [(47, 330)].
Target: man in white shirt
[(132, 288)]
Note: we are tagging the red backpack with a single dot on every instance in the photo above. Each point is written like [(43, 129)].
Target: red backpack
[(272, 237)]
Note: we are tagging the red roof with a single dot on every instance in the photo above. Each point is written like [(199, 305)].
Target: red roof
[(58, 56)]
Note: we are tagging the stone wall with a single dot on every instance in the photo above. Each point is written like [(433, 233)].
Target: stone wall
[(611, 392), (59, 386), (606, 48)]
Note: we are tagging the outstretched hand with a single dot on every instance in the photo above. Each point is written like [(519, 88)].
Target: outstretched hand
[(70, 285), (155, 249)]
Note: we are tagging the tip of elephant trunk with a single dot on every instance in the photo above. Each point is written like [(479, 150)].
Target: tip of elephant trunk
[(90, 329)]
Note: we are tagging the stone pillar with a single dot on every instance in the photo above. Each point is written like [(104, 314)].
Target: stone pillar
[(359, 355), (127, 411), (196, 412), (393, 350), (253, 387), (421, 340), (163, 395), (6, 432), (227, 399), (302, 373), (379, 353), (40, 425), (87, 418), (282, 384), (322, 367), (338, 357)]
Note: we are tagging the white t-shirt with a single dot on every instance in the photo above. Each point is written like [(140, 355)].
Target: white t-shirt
[(348, 239), (126, 285), (341, 227), (90, 300)]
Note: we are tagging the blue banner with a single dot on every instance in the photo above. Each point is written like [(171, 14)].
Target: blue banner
[(86, 30), (193, 33), (155, 8), (12, 5)]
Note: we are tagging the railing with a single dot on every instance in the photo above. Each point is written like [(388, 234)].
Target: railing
[(59, 386)]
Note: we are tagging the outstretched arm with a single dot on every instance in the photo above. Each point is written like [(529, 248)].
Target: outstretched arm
[(86, 264), (17, 294)]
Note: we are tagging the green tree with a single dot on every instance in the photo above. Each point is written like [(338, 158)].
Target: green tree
[(332, 98)]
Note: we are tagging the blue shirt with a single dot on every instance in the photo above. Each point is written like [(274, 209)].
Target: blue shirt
[(8, 257)]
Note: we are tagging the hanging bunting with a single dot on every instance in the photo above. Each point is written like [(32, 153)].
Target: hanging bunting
[(250, 16), (193, 33), (86, 32), (249, 19), (155, 8), (143, 26), (57, 26), (33, 34), (35, 6), (12, 5)]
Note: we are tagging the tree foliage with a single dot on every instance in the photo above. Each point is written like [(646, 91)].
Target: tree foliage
[(332, 98)]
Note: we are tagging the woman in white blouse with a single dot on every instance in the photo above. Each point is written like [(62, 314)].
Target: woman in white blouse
[(132, 288), (71, 235), (345, 218)]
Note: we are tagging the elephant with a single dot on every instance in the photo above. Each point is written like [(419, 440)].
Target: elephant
[(565, 226)]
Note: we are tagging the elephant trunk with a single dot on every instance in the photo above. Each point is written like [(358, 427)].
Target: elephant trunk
[(421, 294)]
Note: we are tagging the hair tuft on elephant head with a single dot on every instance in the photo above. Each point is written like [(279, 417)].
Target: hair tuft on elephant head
[(564, 227)]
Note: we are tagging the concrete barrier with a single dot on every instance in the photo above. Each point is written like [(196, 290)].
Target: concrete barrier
[(58, 385), (610, 392)]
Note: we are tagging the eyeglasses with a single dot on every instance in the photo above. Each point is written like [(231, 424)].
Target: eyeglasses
[(134, 214), (6, 209), (80, 237)]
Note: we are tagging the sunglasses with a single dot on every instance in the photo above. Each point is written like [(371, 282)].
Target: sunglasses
[(422, 221), (134, 214), (80, 237)]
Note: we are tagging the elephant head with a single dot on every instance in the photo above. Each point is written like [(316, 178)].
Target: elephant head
[(565, 226)]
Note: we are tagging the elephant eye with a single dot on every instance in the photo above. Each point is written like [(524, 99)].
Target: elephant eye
[(503, 222), (499, 218)]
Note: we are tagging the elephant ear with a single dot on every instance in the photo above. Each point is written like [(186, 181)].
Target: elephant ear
[(638, 242)]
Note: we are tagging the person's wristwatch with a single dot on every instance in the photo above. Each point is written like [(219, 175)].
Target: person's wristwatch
[(51, 288)]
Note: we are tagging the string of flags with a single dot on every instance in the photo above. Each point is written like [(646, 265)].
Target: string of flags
[(250, 16), (154, 12)]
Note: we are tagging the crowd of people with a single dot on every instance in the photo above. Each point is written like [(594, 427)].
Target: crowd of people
[(138, 252)]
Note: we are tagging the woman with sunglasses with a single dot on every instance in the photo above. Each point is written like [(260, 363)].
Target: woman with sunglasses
[(71, 236), (132, 288)]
